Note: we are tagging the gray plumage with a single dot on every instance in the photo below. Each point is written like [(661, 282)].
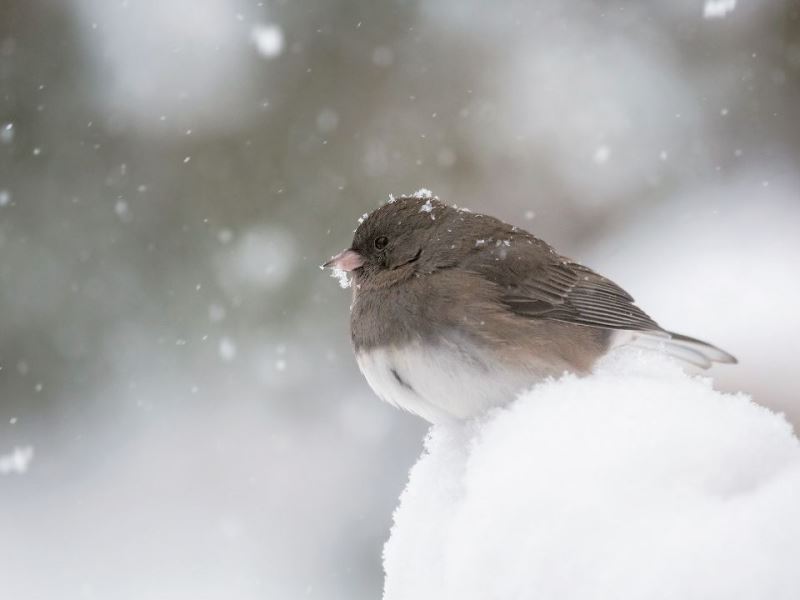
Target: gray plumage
[(463, 296)]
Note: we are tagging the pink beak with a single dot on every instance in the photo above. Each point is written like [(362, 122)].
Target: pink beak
[(346, 260)]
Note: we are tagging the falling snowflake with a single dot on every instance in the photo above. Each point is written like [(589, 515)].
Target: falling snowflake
[(16, 461), (227, 349), (268, 39), (718, 9)]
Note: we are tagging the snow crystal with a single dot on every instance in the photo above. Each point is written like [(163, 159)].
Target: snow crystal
[(362, 218), (718, 9), (342, 276), (423, 194), (16, 461), (638, 481), (268, 39), (427, 207)]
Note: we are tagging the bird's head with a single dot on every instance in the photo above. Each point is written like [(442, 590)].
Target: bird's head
[(406, 236)]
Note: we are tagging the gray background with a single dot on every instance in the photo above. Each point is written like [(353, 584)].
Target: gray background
[(173, 172)]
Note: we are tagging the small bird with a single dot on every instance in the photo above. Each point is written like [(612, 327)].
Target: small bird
[(456, 312)]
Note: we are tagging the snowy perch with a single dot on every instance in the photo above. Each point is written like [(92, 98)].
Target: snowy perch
[(637, 482)]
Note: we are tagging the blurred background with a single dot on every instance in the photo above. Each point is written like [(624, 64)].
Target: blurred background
[(180, 413)]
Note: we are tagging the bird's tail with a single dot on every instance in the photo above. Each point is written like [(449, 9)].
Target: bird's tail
[(685, 348)]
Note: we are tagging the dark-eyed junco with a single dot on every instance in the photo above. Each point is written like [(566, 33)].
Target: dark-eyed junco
[(455, 312)]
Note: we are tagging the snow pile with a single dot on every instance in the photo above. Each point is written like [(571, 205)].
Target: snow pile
[(639, 481)]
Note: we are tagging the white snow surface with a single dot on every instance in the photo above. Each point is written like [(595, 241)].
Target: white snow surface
[(636, 482)]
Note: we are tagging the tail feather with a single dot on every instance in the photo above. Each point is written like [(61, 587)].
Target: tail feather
[(685, 348), (714, 354)]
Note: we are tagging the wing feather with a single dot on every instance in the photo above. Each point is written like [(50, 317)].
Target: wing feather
[(553, 287), (534, 281)]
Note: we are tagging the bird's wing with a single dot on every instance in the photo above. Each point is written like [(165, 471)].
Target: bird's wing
[(536, 282), (571, 292)]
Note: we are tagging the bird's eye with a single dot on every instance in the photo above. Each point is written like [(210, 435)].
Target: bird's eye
[(381, 242)]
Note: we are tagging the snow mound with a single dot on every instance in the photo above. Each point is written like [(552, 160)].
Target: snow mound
[(639, 481)]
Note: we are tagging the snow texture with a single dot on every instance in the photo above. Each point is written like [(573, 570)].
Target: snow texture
[(342, 276), (427, 207), (420, 194), (639, 481), (423, 194)]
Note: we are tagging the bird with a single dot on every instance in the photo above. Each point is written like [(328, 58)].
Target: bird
[(454, 312)]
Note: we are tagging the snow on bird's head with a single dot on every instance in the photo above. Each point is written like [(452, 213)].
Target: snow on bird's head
[(424, 193), (411, 212)]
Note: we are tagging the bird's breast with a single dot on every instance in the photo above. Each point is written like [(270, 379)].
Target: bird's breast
[(447, 380)]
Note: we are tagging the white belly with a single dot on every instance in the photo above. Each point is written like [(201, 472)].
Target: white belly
[(443, 382)]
